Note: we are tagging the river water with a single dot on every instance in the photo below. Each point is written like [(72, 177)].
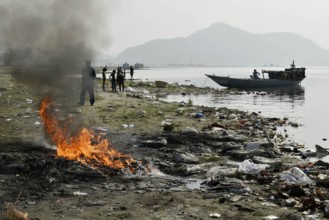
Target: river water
[(307, 105)]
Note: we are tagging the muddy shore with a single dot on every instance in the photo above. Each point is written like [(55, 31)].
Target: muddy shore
[(191, 155)]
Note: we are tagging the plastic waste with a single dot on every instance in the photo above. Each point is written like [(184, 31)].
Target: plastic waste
[(214, 215), (128, 126), (166, 122), (132, 90), (248, 167), (270, 217), (296, 176), (199, 115), (78, 193), (146, 92)]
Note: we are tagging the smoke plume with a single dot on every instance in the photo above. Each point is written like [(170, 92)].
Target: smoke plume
[(52, 38)]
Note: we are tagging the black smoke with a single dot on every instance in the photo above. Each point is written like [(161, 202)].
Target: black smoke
[(50, 39), (46, 43)]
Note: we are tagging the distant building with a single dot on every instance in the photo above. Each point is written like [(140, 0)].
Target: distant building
[(138, 66), (125, 66)]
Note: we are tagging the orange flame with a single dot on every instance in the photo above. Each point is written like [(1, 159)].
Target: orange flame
[(85, 146)]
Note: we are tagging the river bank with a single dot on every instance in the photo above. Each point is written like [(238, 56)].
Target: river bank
[(192, 160)]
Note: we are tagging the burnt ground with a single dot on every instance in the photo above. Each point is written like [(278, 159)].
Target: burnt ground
[(174, 177), (48, 187)]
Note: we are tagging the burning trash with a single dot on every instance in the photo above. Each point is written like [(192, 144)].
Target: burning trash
[(84, 146)]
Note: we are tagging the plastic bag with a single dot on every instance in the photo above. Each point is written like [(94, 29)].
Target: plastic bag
[(296, 176), (248, 167)]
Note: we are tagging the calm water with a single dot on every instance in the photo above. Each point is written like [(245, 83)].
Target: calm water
[(307, 105)]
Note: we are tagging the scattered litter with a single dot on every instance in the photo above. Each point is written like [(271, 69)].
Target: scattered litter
[(71, 186), (189, 130), (141, 113), (100, 129), (296, 176), (29, 101), (199, 115), (248, 167), (320, 151), (129, 89), (180, 111), (128, 126), (156, 103), (236, 198), (28, 111), (270, 217), (9, 119), (182, 103), (78, 193), (214, 215), (31, 202), (37, 123), (166, 122), (269, 204), (146, 92), (307, 212)]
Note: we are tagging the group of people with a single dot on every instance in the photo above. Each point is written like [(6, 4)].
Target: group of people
[(117, 77)]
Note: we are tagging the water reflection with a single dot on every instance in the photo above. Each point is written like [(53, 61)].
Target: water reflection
[(272, 102), (293, 92), (284, 94)]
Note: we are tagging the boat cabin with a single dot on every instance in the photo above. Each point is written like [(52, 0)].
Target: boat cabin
[(292, 73)]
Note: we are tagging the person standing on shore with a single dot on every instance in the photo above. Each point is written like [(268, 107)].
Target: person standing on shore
[(104, 76), (113, 81), (131, 72), (88, 79), (121, 82)]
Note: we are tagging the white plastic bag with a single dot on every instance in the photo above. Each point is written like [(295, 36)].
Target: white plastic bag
[(296, 176), (248, 167)]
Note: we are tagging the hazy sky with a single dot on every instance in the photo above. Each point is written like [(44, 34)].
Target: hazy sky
[(133, 22)]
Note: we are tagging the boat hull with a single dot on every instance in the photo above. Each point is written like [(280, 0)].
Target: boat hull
[(252, 83)]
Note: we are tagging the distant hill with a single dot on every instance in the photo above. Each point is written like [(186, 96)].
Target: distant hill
[(223, 45)]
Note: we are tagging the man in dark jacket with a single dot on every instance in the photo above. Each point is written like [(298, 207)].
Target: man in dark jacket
[(88, 78), (104, 76)]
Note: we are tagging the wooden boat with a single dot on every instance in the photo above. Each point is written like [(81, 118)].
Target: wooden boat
[(288, 77)]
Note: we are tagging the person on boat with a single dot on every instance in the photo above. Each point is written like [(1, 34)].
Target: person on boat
[(255, 74)]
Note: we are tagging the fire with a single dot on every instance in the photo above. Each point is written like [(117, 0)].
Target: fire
[(85, 146)]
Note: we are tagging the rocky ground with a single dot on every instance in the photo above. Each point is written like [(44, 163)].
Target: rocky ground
[(194, 162)]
